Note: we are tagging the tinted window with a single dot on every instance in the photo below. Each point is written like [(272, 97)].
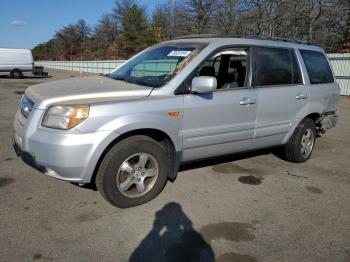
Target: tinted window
[(317, 67), (214, 62), (273, 66)]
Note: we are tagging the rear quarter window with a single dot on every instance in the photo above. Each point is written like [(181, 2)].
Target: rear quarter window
[(317, 67)]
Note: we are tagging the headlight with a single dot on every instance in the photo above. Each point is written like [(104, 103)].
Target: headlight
[(65, 117)]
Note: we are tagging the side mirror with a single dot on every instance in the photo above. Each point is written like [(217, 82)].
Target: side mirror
[(203, 84)]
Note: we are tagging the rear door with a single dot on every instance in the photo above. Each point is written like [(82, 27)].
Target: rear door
[(281, 91)]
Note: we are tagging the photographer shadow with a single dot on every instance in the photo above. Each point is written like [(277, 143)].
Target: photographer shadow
[(172, 238)]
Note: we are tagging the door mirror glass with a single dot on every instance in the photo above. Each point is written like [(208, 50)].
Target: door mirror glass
[(203, 84)]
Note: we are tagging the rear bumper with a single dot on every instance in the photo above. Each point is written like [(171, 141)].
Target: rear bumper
[(327, 121)]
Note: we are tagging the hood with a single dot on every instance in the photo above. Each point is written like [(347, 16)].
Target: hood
[(84, 90)]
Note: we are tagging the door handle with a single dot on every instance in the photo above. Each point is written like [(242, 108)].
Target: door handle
[(301, 96), (247, 101)]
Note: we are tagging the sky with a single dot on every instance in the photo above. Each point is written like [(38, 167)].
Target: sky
[(24, 23)]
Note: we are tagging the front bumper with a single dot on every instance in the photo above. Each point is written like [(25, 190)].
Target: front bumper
[(67, 155), (28, 158)]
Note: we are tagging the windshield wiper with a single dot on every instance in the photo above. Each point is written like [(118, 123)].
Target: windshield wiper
[(137, 81), (121, 79), (148, 83)]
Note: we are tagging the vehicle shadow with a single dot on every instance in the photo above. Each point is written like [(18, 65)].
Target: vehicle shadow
[(172, 238), (208, 162), (228, 158)]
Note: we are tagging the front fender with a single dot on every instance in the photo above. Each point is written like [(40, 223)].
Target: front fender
[(160, 121)]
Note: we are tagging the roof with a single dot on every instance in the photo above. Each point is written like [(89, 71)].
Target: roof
[(257, 37), (249, 40)]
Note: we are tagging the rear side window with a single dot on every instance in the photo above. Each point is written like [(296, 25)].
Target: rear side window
[(317, 67), (274, 66)]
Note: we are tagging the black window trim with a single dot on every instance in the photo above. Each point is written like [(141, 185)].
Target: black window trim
[(291, 52), (254, 75)]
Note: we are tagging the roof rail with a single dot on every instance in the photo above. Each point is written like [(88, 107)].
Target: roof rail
[(258, 37), (197, 36), (274, 38)]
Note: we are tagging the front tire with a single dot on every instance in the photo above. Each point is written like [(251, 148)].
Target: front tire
[(133, 172), (300, 146)]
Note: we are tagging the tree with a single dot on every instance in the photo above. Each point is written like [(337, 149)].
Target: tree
[(201, 12), (346, 29), (120, 10), (71, 40), (136, 34), (104, 36), (226, 17), (127, 29), (83, 32), (162, 21)]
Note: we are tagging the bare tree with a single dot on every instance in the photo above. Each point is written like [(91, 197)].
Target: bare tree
[(120, 9), (162, 18), (226, 17), (346, 30), (201, 13), (83, 31), (323, 22)]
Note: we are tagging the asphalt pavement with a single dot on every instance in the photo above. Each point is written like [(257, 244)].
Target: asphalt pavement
[(246, 207)]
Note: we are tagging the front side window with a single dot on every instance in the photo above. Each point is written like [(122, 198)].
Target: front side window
[(228, 66), (317, 67), (273, 66), (158, 65)]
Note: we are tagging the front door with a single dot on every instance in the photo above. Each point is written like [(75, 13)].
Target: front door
[(223, 121)]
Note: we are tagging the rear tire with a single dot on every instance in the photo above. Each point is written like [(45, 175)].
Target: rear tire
[(16, 73), (300, 146), (133, 172)]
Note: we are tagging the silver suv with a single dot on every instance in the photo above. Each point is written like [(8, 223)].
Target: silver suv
[(178, 101)]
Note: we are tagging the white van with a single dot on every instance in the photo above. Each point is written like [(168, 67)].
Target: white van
[(16, 62)]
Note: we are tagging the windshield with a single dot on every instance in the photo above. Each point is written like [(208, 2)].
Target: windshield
[(158, 65)]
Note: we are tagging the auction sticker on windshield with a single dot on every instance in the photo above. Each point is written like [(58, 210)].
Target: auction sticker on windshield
[(181, 53)]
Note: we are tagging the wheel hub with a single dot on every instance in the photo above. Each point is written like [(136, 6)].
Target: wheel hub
[(307, 143), (137, 175)]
